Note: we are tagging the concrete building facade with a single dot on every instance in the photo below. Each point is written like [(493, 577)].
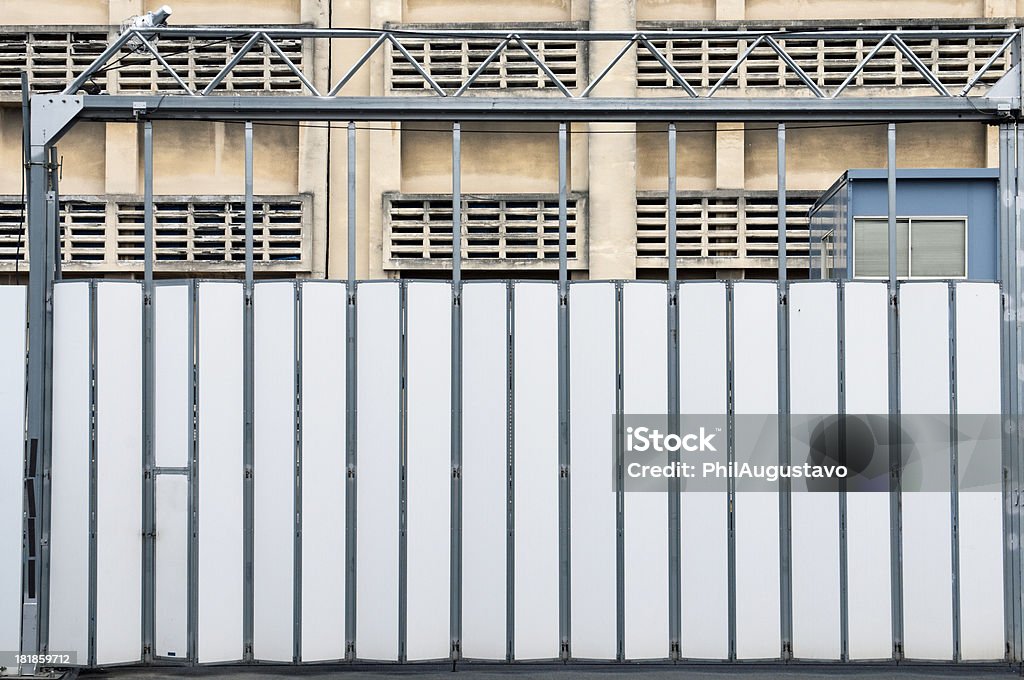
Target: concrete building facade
[(617, 210)]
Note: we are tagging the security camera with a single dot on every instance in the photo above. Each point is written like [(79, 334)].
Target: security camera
[(155, 19)]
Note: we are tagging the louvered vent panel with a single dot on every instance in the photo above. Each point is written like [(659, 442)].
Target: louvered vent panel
[(451, 62), (192, 233), (53, 58), (497, 230), (722, 224), (212, 231), (827, 62), (198, 61)]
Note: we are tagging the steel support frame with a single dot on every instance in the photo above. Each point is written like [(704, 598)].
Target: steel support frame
[(51, 117)]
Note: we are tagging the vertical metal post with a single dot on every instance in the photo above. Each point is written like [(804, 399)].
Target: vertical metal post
[(93, 477), (895, 458), (193, 480), (954, 476), (785, 484), (247, 439), (730, 458), (297, 490), (620, 495), (1017, 272), (39, 403), (674, 501), (844, 558), (350, 408), (455, 613), (53, 199), (510, 474), (403, 487), (563, 397), (148, 405)]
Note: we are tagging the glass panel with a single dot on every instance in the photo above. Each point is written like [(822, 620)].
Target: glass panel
[(871, 247), (939, 248)]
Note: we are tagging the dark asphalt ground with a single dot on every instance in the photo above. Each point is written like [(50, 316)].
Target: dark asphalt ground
[(557, 672)]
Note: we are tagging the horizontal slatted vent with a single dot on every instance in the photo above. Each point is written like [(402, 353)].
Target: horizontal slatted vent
[(722, 225), (827, 62), (190, 233), (506, 230), (451, 62), (198, 61), (212, 231), (53, 58)]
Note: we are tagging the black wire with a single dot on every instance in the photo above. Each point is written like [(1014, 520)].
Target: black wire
[(114, 67)]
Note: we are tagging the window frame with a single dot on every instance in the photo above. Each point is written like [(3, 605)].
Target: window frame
[(852, 245)]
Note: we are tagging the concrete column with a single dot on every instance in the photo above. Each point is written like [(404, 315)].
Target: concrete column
[(612, 163), (991, 146), (313, 144), (122, 141), (729, 156), (385, 147), (343, 54)]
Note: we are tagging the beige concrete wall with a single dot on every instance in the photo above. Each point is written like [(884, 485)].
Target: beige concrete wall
[(695, 157), (675, 10), (209, 158), (816, 157), (862, 9), (607, 161), (488, 11), (10, 150), (496, 158)]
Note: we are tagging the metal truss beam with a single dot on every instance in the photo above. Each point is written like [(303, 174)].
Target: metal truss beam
[(751, 41), (117, 108)]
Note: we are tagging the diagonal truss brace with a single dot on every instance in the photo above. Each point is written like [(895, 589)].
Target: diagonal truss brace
[(897, 40)]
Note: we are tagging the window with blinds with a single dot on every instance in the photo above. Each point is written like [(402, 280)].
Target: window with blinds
[(926, 247)]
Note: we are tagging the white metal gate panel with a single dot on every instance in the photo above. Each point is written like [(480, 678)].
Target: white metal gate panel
[(71, 470), (949, 336), (645, 390), (924, 389), (428, 471), (536, 471), (171, 501), (118, 472), (377, 326), (757, 512), (980, 509), (12, 454), (814, 389), (323, 470), (869, 588), (172, 443), (273, 470), (704, 519), (220, 370), (484, 470), (592, 390)]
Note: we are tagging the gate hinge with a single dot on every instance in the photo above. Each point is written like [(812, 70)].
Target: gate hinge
[(147, 651), (787, 651), (248, 650), (350, 650), (351, 472), (456, 653), (898, 651), (248, 473), (563, 471), (564, 654), (673, 650), (457, 472)]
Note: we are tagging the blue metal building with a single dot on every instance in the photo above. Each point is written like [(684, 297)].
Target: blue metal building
[(946, 225)]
